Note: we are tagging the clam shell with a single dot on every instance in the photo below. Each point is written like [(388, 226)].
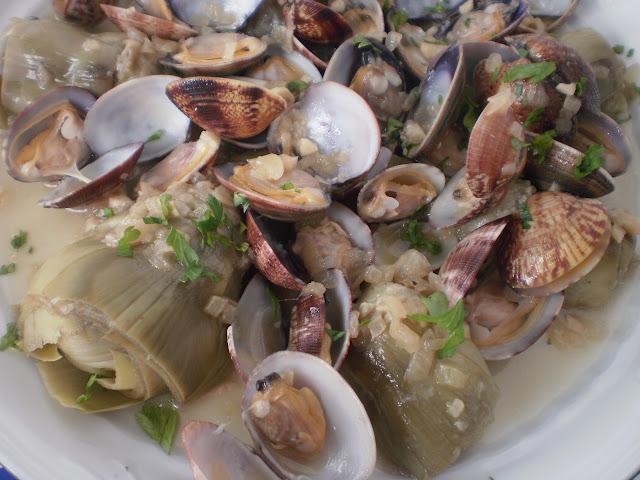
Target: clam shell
[(315, 22), (84, 12), (133, 112), (364, 16), (218, 15), (464, 262), (553, 13), (296, 59), (307, 329), (358, 231), (231, 108), (417, 9), (338, 303), (105, 173), (338, 121), (256, 332), (214, 453), (302, 49), (414, 186), (566, 239), (269, 254), (350, 448), (127, 19), (157, 8), (33, 119)]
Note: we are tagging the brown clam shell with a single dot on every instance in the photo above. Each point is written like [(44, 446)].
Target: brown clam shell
[(307, 325), (315, 22), (84, 12), (464, 262), (231, 108), (129, 18), (567, 238)]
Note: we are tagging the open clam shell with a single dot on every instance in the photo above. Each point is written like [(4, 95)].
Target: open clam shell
[(214, 453), (338, 301), (157, 8), (398, 192), (221, 15), (551, 13), (365, 17), (127, 19), (137, 111), (349, 451), (416, 9), (104, 174), (565, 240), (315, 22), (358, 231), (291, 63), (231, 108), (488, 20), (440, 97), (216, 53), (37, 119), (339, 129), (84, 12)]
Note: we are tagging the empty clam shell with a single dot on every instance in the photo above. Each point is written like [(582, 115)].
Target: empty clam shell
[(315, 22), (332, 129), (104, 174), (465, 261), (216, 53), (565, 240), (37, 119), (85, 12), (231, 108), (219, 14), (398, 192), (127, 19), (349, 451), (137, 111)]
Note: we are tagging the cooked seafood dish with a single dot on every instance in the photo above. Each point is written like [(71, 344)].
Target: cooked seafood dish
[(337, 217)]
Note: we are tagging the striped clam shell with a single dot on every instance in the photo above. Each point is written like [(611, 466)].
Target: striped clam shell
[(84, 12), (307, 324), (316, 22)]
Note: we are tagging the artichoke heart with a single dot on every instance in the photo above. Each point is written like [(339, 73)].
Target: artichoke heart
[(425, 410), (129, 320)]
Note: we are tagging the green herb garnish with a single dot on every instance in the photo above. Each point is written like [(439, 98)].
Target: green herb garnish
[(618, 49), (335, 334), (441, 7), (631, 52), (392, 130), (154, 221), (240, 200), (88, 389), (365, 323), (580, 86), (210, 223), (593, 159), (518, 144), (452, 321), (159, 421), (10, 338), (495, 75), (542, 144), (363, 42), (19, 240), (412, 233), (125, 247), (287, 186), (275, 304), (472, 109), (534, 117), (519, 90), (165, 206), (398, 18), (534, 72), (437, 303), (297, 86), (7, 269), (188, 258), (107, 212), (523, 52), (155, 136), (525, 215), (467, 22)]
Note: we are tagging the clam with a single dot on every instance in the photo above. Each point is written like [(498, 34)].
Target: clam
[(371, 70), (365, 17), (137, 111), (220, 15), (332, 129), (439, 101), (231, 108), (127, 19), (275, 186), (306, 421), (183, 162), (100, 176), (557, 172), (45, 141), (548, 15), (492, 158), (565, 240), (315, 22), (600, 129), (416, 9), (84, 12), (398, 192), (487, 20), (280, 65), (417, 49), (216, 53)]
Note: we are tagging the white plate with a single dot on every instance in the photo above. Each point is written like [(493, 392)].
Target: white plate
[(570, 416)]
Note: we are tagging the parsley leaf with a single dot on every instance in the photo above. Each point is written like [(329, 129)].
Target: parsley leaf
[(495, 75), (159, 421), (275, 304), (7, 269), (88, 389), (437, 303), (363, 42), (240, 200), (441, 7), (518, 144), (165, 198), (472, 109), (19, 240), (392, 130), (542, 144), (335, 334), (365, 323), (535, 72), (593, 159), (287, 186), (398, 18), (619, 49), (580, 86), (188, 258), (525, 215), (412, 233), (534, 117), (130, 235), (631, 52), (155, 136), (154, 221), (10, 338), (297, 86), (107, 212), (523, 52), (453, 322)]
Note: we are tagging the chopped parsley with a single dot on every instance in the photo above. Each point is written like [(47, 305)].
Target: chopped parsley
[(412, 233), (593, 159), (107, 212), (440, 99), (525, 215), (275, 304), (467, 22), (19, 240), (392, 130), (7, 269), (580, 86), (125, 247), (519, 90), (365, 323), (154, 221), (88, 389), (534, 72), (451, 320), (188, 258), (618, 49), (335, 334), (441, 7), (363, 43), (518, 144), (631, 52), (212, 220), (241, 200), (523, 52), (155, 136), (534, 117), (297, 86), (10, 338), (160, 422), (398, 18), (437, 303), (472, 109), (165, 206), (495, 75), (542, 144), (289, 186)]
